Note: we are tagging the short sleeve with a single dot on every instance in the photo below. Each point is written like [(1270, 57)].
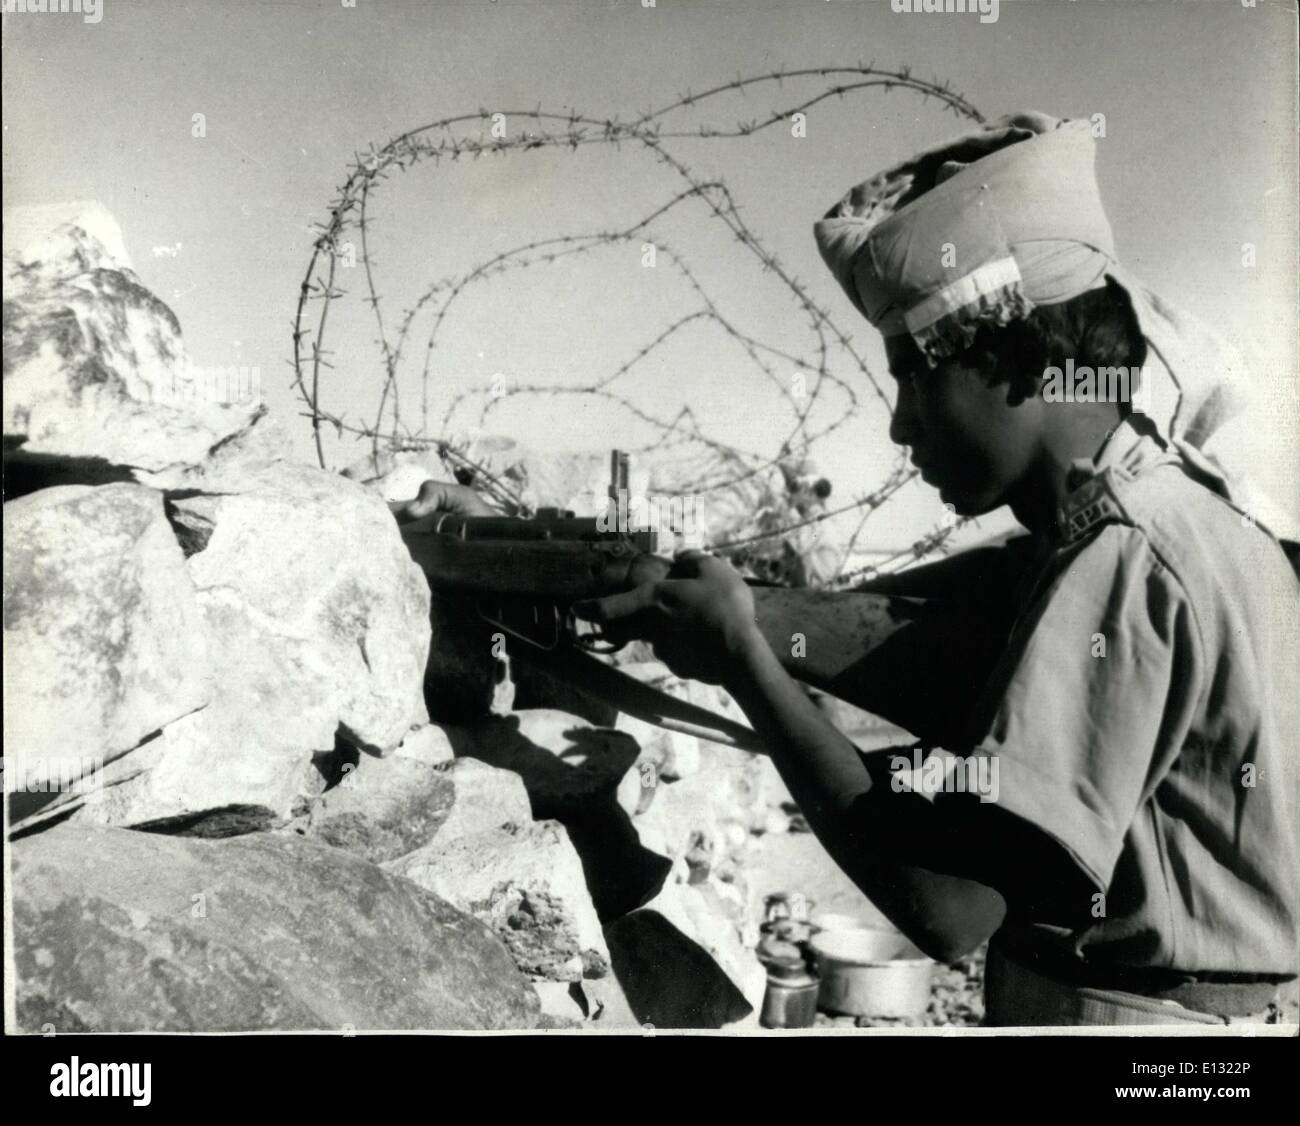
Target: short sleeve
[(1093, 700)]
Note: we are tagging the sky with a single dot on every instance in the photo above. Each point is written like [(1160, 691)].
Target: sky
[(1199, 159)]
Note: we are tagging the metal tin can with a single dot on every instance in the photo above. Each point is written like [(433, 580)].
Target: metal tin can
[(790, 1000)]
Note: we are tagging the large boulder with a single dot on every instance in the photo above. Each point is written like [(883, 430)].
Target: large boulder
[(118, 931), (306, 574), (316, 626), (526, 882), (95, 370), (103, 636)]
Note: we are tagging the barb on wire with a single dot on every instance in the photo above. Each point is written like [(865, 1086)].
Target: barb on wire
[(834, 366)]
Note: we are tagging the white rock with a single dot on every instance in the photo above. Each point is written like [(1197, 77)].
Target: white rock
[(94, 364), (235, 465), (64, 239), (316, 625), (526, 882), (208, 767), (306, 574), (560, 1007), (485, 799), (103, 637), (426, 743), (594, 1003)]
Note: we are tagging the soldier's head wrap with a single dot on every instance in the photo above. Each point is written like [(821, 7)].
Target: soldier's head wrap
[(983, 229)]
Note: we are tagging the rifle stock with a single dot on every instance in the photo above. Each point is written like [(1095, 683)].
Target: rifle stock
[(917, 662)]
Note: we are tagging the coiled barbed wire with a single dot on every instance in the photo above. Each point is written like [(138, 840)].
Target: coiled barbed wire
[(444, 139)]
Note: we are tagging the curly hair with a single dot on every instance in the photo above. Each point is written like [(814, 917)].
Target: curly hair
[(1096, 329)]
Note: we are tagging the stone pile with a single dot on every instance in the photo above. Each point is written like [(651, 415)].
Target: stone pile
[(230, 662)]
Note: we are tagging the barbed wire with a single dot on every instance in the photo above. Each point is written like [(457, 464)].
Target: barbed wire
[(447, 139)]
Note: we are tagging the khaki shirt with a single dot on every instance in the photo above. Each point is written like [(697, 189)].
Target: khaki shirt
[(1145, 716)]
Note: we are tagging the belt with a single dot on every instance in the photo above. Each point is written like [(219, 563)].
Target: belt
[(1016, 995)]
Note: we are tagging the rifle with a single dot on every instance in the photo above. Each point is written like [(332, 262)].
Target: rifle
[(912, 648)]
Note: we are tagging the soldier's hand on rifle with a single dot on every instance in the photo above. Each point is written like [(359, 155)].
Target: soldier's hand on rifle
[(439, 496), (699, 619)]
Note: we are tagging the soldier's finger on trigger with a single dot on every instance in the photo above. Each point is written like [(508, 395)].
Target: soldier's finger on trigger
[(615, 607)]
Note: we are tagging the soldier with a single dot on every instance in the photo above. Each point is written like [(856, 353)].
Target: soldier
[(1139, 864)]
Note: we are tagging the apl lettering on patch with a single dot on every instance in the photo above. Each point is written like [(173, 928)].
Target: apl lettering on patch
[(1093, 503)]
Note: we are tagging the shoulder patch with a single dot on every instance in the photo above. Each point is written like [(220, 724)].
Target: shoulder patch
[(1093, 503)]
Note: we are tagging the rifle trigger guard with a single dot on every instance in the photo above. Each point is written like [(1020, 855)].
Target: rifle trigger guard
[(556, 623)]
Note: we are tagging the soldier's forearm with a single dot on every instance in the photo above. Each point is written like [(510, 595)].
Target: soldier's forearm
[(945, 915)]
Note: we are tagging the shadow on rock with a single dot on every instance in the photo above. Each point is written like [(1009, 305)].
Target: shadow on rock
[(571, 772), (669, 980)]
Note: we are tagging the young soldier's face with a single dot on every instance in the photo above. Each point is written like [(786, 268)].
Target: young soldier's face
[(972, 440)]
